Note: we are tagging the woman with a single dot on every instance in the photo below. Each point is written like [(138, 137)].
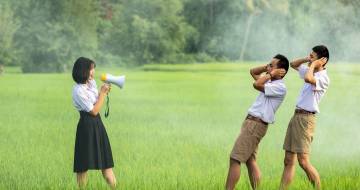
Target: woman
[(92, 147)]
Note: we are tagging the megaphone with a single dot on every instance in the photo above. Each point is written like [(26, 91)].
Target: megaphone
[(117, 80)]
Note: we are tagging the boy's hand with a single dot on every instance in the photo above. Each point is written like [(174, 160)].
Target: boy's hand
[(319, 63), (276, 73)]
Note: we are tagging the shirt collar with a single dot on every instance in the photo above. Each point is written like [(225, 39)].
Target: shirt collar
[(277, 81), (320, 72)]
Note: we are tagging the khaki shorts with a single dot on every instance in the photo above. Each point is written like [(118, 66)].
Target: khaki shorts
[(300, 132), (247, 142)]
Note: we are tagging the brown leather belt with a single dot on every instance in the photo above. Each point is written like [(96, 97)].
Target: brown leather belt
[(250, 117), (301, 111)]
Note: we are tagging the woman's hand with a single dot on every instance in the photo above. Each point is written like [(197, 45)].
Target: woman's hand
[(105, 88)]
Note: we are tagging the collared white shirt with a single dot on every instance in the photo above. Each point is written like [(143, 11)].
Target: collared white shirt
[(269, 101), (85, 96), (311, 95)]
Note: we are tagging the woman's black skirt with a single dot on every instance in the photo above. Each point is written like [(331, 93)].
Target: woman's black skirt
[(92, 146)]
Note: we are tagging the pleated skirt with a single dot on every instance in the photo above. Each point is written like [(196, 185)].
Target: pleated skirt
[(92, 146)]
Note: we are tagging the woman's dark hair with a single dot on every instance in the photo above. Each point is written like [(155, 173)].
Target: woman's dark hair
[(81, 70), (283, 62), (321, 51)]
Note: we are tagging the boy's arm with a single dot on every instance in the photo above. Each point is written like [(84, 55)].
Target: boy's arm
[(297, 62), (309, 75), (256, 72), (259, 84)]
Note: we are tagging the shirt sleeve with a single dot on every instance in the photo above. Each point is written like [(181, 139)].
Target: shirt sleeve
[(274, 90), (321, 83), (302, 70), (93, 84), (83, 102)]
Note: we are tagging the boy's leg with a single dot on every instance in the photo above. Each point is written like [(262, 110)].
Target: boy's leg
[(310, 170), (254, 172), (233, 174), (289, 170)]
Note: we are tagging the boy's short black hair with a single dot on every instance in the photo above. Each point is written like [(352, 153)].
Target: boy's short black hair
[(81, 70), (321, 51), (283, 62)]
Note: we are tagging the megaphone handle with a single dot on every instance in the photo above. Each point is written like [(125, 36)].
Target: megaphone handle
[(107, 109)]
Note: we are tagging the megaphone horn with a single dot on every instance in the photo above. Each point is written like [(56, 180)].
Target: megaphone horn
[(117, 80)]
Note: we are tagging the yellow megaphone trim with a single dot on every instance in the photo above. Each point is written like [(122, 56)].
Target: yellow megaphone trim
[(103, 77)]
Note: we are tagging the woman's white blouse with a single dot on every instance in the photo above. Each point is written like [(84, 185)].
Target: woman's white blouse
[(85, 96)]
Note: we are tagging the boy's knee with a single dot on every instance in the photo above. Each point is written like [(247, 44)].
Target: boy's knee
[(289, 161), (304, 163), (234, 162)]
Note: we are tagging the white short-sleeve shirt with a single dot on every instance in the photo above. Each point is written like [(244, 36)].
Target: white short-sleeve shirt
[(311, 95), (85, 96), (268, 102)]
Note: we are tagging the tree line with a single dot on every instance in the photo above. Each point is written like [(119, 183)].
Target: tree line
[(48, 35)]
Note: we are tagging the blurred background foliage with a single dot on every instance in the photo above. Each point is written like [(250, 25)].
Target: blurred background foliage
[(47, 36)]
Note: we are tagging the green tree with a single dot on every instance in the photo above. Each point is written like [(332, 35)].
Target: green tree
[(148, 31), (54, 33), (8, 26)]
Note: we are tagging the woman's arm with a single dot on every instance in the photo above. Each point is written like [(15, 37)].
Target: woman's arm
[(105, 88)]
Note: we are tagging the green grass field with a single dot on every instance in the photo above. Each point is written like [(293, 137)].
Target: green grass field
[(171, 127)]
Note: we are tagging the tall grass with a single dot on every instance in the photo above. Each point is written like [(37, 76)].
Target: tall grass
[(171, 128)]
